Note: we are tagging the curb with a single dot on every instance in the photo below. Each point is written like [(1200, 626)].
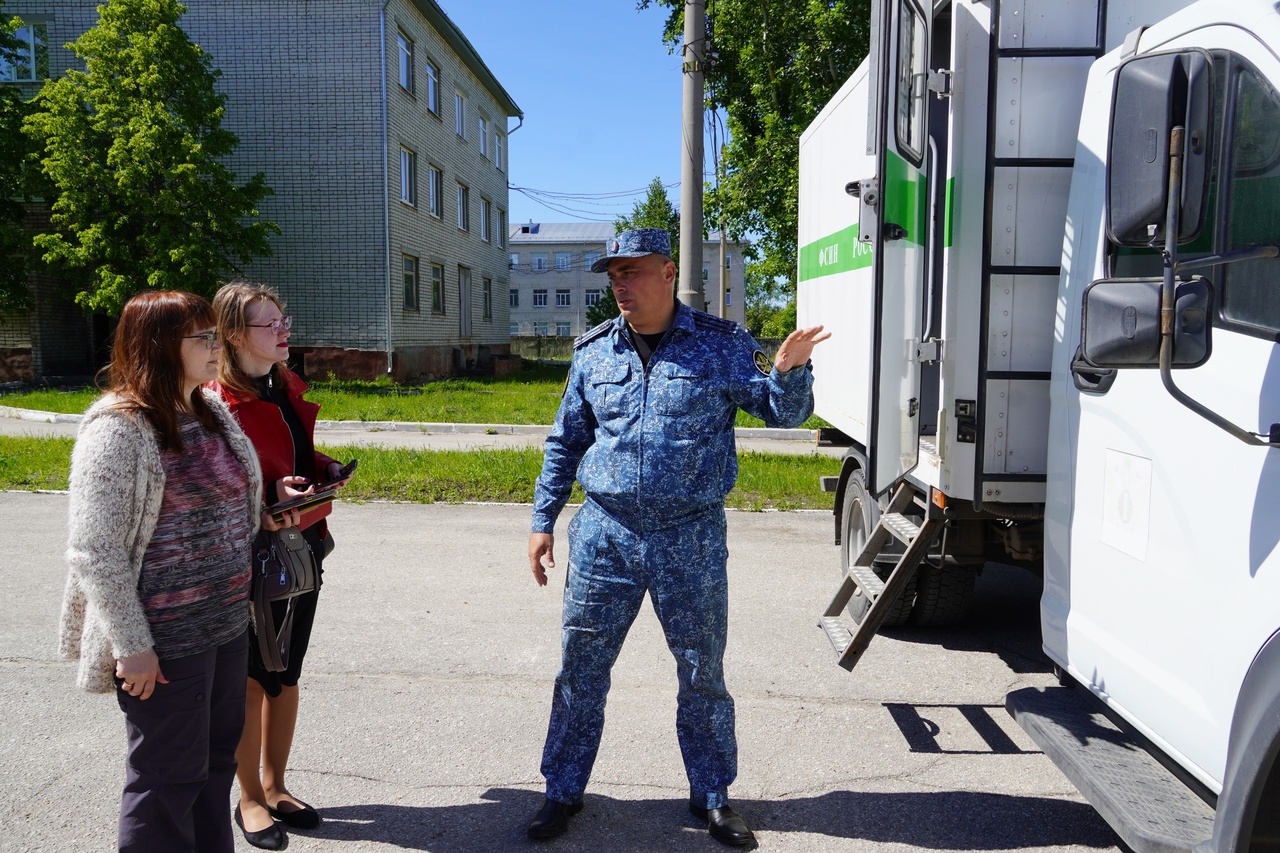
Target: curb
[(765, 433), (38, 416)]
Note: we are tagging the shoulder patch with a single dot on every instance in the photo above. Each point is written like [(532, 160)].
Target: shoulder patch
[(589, 336), (762, 362), (702, 320)]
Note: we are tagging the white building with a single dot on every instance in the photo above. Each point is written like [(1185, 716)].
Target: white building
[(552, 285)]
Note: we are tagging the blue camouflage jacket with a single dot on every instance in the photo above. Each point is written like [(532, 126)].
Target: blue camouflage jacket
[(654, 446)]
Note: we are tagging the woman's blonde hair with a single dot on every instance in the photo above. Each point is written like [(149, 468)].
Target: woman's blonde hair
[(231, 307)]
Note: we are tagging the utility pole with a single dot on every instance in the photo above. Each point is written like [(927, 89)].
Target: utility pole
[(694, 53)]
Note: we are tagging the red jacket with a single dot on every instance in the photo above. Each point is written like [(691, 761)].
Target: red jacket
[(266, 428)]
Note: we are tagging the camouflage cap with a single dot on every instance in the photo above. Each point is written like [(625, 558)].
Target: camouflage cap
[(635, 243)]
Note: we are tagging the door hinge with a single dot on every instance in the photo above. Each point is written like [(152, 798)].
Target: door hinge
[(939, 82), (929, 351)]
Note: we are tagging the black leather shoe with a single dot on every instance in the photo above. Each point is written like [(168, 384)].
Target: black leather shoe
[(303, 818), (724, 824), (552, 819), (271, 838)]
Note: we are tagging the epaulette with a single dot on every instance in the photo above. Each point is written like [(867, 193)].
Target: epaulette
[(588, 337), (713, 323)]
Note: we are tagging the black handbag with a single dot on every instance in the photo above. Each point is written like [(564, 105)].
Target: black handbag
[(283, 569)]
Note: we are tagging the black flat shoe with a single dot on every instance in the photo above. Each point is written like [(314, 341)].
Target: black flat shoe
[(303, 818), (724, 824), (271, 838), (552, 819)]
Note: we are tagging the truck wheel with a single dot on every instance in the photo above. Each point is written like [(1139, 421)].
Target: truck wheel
[(943, 595), (858, 518)]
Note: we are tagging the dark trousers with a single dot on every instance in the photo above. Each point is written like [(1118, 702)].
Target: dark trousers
[(182, 754)]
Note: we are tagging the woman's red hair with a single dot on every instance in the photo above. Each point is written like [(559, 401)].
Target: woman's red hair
[(146, 361)]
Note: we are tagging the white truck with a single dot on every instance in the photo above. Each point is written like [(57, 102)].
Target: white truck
[(1044, 235)]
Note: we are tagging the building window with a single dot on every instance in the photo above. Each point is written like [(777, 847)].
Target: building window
[(437, 288), (410, 283), (408, 177), (30, 61), (497, 150), (433, 88), (435, 191), (484, 135), (540, 299), (485, 209), (589, 258), (562, 299), (464, 208), (706, 271), (562, 260), (406, 62), (728, 295), (460, 114), (486, 292), (513, 297), (592, 297), (728, 261), (501, 227), (540, 329), (562, 329), (539, 262), (513, 261)]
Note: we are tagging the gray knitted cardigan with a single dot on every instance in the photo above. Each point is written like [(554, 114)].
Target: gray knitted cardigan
[(117, 482)]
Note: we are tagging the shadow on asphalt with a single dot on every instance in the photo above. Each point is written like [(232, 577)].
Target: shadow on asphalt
[(943, 820), (1004, 621)]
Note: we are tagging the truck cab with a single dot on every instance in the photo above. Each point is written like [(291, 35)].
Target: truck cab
[(1044, 234)]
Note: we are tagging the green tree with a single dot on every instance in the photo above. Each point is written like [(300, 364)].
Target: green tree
[(778, 63), (134, 148), (14, 242), (655, 211)]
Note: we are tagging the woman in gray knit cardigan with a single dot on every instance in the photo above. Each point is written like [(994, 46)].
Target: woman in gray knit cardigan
[(165, 499)]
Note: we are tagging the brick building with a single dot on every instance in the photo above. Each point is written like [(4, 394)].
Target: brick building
[(552, 285), (384, 137)]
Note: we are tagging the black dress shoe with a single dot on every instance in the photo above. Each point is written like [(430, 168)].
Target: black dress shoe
[(724, 824), (303, 818), (271, 838), (552, 819)]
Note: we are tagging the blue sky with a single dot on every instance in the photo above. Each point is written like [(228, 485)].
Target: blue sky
[(600, 95)]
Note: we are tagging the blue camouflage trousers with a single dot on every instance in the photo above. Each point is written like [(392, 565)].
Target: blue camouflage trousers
[(610, 569)]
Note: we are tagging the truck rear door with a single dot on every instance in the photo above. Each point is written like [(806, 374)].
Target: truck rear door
[(899, 134)]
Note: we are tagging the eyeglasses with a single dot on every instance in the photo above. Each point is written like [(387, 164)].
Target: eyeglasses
[(275, 325), (210, 339)]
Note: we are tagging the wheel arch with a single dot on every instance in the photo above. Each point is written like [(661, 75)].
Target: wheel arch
[(1251, 784)]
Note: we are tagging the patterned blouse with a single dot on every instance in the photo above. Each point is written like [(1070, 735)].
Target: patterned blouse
[(195, 573)]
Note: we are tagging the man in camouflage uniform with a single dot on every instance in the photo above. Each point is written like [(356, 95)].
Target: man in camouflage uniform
[(646, 426)]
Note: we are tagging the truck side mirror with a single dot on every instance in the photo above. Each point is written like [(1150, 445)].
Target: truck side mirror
[(1153, 95), (1121, 325)]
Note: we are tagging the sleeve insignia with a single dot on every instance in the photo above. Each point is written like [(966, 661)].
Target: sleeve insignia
[(762, 362)]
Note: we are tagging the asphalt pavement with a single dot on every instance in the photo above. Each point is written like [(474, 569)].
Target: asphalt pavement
[(427, 687)]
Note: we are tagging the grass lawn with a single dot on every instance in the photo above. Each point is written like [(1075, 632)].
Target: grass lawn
[(529, 396), (765, 481)]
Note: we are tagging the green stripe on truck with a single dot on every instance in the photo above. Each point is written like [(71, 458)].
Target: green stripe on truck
[(835, 253)]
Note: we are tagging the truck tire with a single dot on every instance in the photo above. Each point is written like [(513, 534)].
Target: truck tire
[(860, 515), (943, 595)]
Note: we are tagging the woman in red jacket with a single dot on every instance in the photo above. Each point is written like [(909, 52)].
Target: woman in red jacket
[(266, 398)]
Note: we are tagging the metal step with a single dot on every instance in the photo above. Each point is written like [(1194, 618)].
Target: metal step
[(903, 528), (1147, 806), (836, 632), (868, 581)]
